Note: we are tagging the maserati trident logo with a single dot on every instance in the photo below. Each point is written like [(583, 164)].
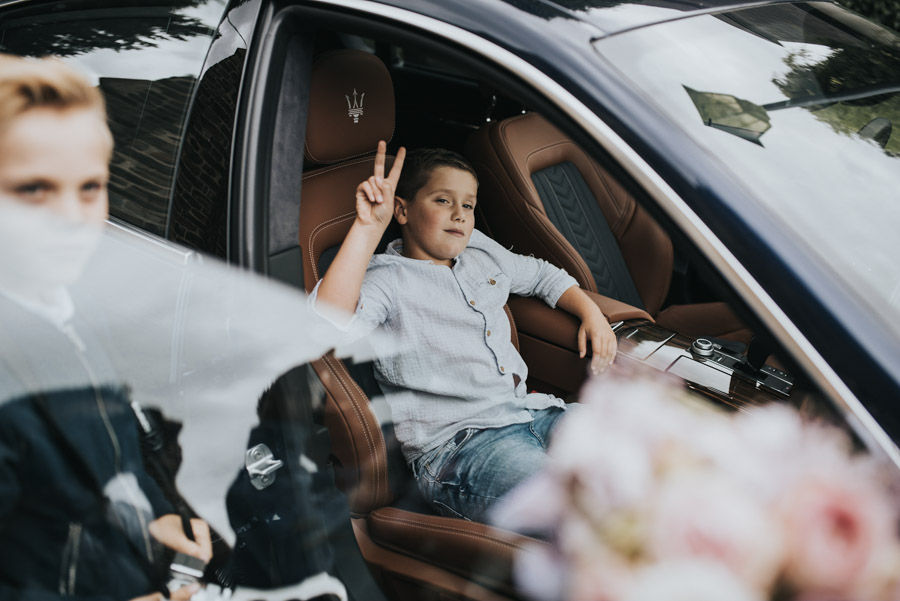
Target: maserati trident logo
[(355, 107)]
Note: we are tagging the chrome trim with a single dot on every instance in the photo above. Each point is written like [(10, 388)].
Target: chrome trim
[(186, 255), (693, 13), (751, 291), (261, 466)]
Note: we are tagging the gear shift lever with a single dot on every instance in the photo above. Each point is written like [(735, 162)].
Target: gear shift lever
[(758, 351)]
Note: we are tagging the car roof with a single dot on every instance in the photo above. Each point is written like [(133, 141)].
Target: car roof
[(615, 16), (570, 21)]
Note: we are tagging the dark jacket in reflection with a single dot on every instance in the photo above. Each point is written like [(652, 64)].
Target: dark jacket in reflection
[(75, 500)]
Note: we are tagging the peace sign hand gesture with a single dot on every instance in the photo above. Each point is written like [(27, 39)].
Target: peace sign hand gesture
[(375, 195), (374, 210)]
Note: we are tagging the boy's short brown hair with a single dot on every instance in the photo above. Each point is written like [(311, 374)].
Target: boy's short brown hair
[(419, 165), (27, 83)]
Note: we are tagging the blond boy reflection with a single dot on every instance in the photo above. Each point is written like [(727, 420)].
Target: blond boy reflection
[(79, 516)]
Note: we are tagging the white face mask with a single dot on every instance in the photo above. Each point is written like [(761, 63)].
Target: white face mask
[(41, 251)]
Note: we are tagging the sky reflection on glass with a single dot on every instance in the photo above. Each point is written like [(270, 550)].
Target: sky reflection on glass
[(824, 184)]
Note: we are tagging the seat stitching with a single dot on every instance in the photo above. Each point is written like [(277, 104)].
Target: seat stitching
[(496, 542), (542, 219), (356, 409), (354, 160), (604, 178), (485, 577), (565, 243), (380, 458), (587, 242), (343, 161), (366, 430), (315, 233), (381, 516), (327, 360), (435, 528), (350, 396), (567, 248), (358, 159)]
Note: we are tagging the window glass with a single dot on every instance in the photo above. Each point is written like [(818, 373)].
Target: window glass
[(802, 103), (146, 60), (400, 56)]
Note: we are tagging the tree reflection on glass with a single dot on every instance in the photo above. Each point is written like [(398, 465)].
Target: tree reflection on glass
[(65, 33), (163, 45), (864, 77)]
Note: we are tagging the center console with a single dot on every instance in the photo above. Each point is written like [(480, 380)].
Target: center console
[(723, 371), (718, 369)]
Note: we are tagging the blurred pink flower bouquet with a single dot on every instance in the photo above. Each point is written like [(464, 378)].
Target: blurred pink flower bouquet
[(650, 495)]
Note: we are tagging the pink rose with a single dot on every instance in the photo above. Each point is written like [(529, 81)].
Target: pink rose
[(840, 530)]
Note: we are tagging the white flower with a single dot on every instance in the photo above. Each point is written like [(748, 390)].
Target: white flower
[(649, 497), (706, 514), (536, 505), (689, 580), (540, 570)]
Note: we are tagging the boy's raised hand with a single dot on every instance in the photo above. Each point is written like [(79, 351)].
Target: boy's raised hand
[(375, 195), (374, 210)]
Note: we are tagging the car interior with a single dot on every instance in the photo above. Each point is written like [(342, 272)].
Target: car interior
[(543, 190)]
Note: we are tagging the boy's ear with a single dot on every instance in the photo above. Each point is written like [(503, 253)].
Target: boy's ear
[(400, 210)]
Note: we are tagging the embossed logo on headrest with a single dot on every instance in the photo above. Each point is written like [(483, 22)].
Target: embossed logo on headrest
[(355, 108)]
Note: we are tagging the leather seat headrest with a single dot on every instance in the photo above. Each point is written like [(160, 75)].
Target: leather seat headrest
[(351, 106)]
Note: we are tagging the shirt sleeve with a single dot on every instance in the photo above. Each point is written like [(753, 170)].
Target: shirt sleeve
[(372, 308), (530, 276)]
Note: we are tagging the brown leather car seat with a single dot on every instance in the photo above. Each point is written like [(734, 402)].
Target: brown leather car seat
[(414, 554), (543, 195)]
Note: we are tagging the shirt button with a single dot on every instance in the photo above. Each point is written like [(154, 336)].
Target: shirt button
[(471, 302), (503, 369), (488, 332), (492, 281)]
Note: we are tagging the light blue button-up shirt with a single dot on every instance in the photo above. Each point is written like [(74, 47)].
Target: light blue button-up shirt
[(457, 367)]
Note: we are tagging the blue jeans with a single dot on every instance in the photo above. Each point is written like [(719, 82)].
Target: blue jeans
[(463, 477)]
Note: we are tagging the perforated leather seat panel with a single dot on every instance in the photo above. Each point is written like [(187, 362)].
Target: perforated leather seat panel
[(571, 207)]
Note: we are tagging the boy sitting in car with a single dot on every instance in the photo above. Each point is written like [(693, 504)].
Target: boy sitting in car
[(468, 427)]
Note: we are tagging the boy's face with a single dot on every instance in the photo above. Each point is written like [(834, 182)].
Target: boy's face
[(439, 222), (54, 166), (57, 160)]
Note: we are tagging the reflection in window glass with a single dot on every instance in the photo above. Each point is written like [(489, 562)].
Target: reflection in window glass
[(146, 61), (801, 102)]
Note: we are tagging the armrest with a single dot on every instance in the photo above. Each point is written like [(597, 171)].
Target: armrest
[(535, 318), (616, 310)]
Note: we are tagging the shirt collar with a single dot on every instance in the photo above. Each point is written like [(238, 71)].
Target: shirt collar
[(395, 249)]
